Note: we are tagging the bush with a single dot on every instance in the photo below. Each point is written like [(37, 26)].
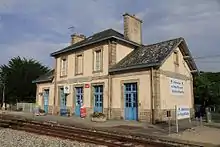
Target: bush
[(98, 115)]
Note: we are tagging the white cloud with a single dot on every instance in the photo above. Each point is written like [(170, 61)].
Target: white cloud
[(188, 19), (35, 49), (195, 20)]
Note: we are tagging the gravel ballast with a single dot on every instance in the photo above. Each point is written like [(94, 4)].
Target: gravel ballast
[(14, 138)]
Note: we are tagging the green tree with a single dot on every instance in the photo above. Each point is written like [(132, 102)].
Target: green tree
[(207, 89), (17, 77)]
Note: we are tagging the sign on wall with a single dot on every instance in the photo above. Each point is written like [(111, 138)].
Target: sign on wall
[(87, 85), (183, 112), (176, 86), (66, 89)]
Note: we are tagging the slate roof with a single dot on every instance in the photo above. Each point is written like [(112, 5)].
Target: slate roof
[(101, 36), (152, 55), (48, 77)]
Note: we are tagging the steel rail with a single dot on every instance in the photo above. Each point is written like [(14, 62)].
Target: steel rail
[(90, 137), (87, 135)]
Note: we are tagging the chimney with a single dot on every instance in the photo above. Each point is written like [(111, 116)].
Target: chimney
[(132, 28), (77, 38)]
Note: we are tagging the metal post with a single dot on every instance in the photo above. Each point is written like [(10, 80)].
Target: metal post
[(169, 126), (177, 124)]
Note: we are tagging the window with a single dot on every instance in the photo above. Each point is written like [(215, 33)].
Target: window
[(176, 58), (79, 64), (63, 66), (97, 60)]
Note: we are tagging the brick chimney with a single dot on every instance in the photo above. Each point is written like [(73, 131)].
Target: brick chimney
[(77, 38), (132, 28)]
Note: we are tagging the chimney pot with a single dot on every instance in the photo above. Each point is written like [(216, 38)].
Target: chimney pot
[(75, 38)]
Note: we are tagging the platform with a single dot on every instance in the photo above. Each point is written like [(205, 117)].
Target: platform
[(119, 126)]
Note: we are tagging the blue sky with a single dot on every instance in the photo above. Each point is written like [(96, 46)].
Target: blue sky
[(35, 28)]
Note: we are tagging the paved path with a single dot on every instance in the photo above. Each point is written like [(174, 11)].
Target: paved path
[(201, 134), (138, 128)]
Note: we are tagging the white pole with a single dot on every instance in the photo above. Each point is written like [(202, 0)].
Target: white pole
[(177, 124)]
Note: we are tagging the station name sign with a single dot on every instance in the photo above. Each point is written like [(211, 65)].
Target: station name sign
[(176, 86)]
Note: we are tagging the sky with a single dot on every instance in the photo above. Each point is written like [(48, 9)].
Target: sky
[(36, 28)]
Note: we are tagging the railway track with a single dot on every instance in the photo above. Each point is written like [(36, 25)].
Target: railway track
[(77, 134)]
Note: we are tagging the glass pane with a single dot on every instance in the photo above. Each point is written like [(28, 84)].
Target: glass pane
[(134, 105), (126, 104), (96, 89), (134, 99), (126, 88), (81, 99), (134, 88), (47, 92), (135, 94), (65, 101), (101, 89)]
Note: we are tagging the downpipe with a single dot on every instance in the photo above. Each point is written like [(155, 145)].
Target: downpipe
[(152, 95)]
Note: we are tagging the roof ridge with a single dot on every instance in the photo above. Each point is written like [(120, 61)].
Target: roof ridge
[(96, 37), (104, 30), (181, 38)]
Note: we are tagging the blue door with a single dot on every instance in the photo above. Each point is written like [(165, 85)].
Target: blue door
[(98, 98), (78, 100), (63, 108), (46, 100), (131, 106)]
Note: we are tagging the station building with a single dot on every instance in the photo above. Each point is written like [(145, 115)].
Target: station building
[(118, 75)]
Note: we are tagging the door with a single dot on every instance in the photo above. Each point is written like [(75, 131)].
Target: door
[(63, 109), (130, 97), (98, 98), (78, 100), (46, 100)]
